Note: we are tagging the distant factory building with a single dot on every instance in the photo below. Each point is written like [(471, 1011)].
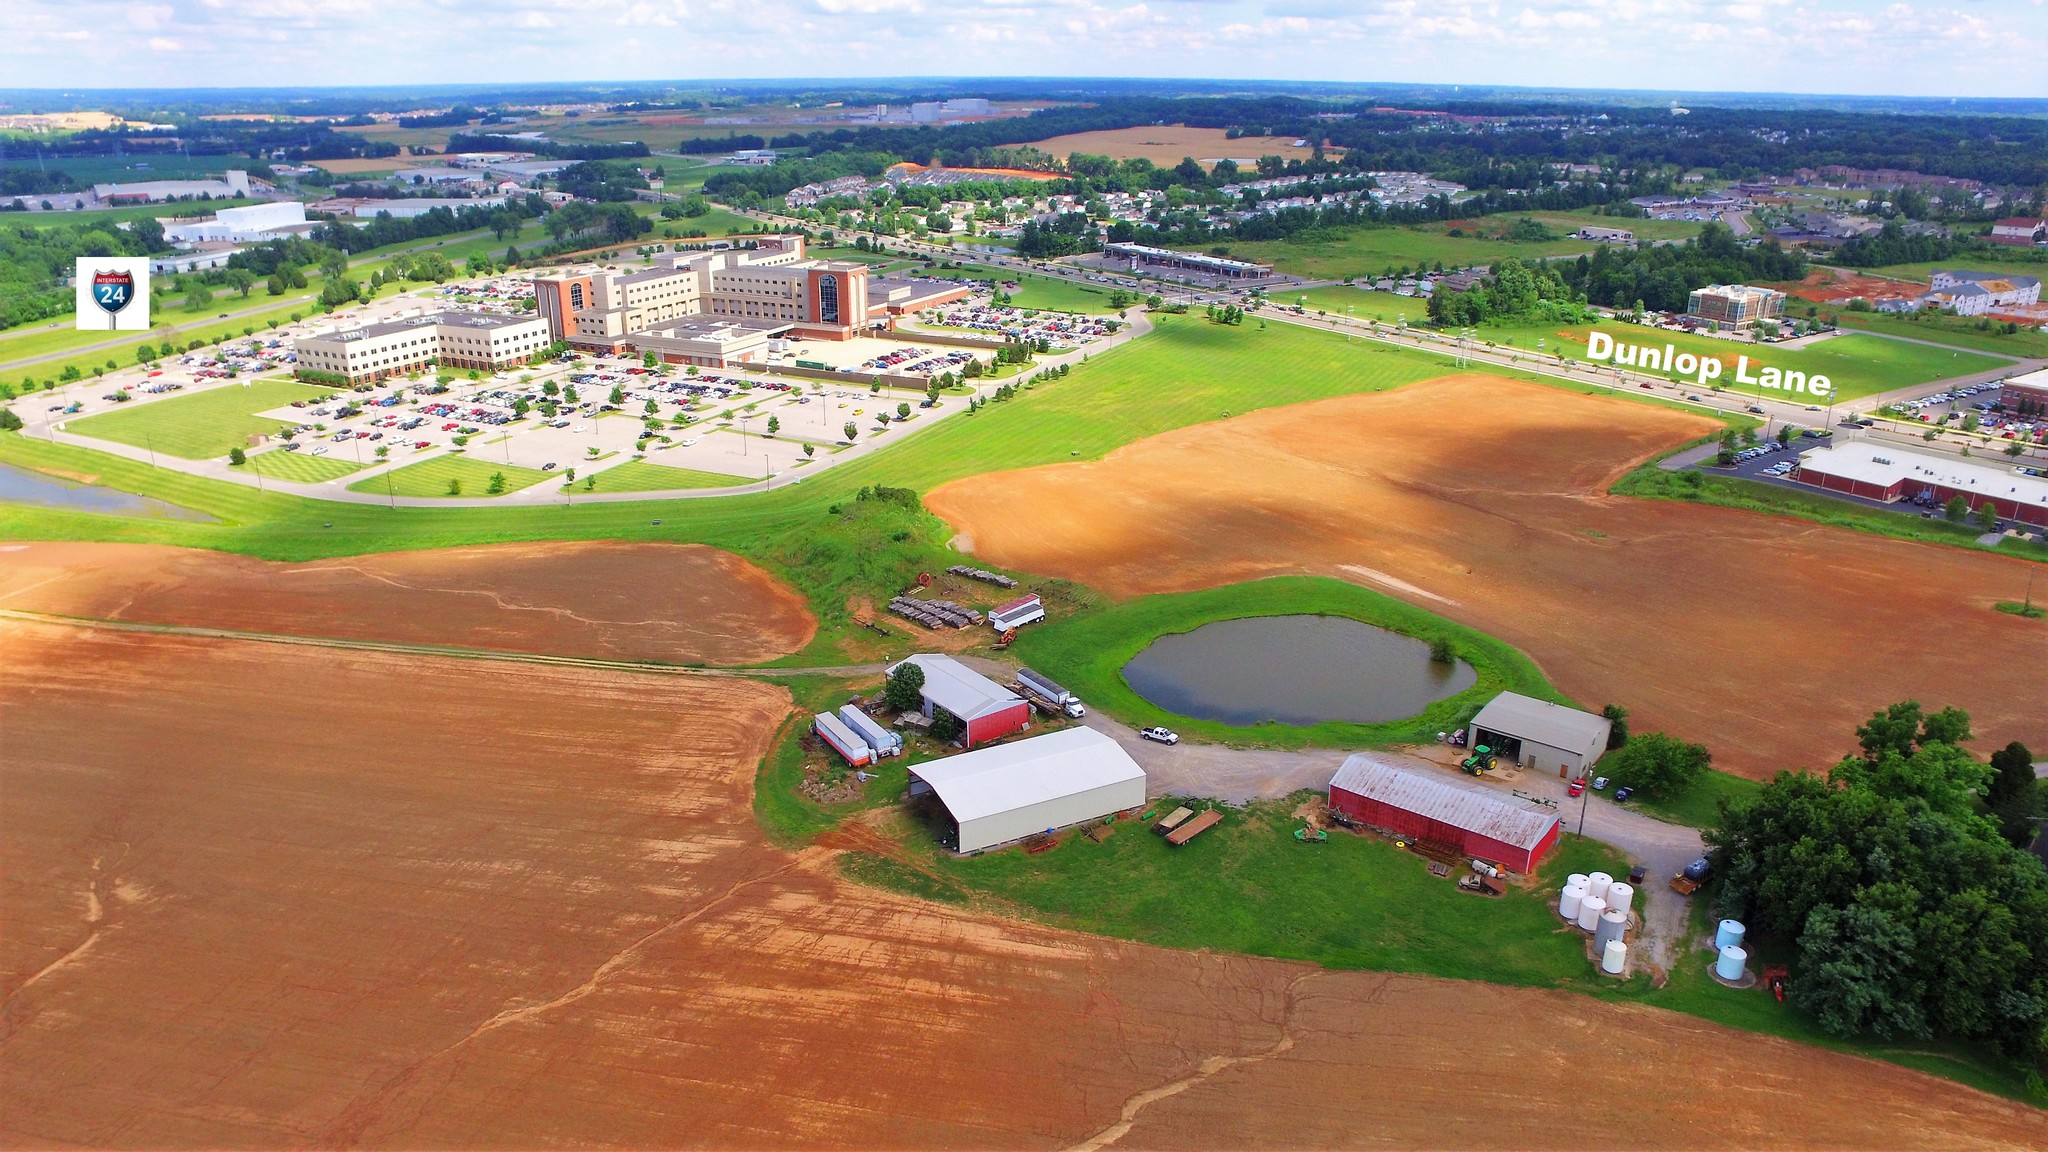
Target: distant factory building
[(1457, 817), (233, 183), (251, 223), (1003, 794)]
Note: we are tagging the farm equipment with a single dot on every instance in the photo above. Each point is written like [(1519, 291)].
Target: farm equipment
[(1688, 882), (1173, 820), (1480, 760), (1310, 834), (1007, 638), (1194, 827), (1775, 976)]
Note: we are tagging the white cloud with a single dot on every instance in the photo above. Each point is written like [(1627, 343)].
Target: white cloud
[(1935, 47)]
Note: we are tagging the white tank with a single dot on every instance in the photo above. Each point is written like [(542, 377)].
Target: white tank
[(1568, 904), (1619, 896), (1589, 911), (1729, 935), (1597, 884), (1732, 963), (1614, 958), (1613, 926), (1575, 880)]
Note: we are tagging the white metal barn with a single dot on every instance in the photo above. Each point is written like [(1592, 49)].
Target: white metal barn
[(995, 795), (1539, 735)]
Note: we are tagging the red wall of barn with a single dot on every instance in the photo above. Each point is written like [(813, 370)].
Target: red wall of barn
[(1382, 815), (998, 724)]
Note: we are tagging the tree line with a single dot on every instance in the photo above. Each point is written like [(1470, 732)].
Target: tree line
[(1898, 884)]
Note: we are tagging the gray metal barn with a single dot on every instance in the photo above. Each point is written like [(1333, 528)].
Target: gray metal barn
[(1539, 735)]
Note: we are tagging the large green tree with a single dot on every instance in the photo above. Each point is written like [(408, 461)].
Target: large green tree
[(1907, 912)]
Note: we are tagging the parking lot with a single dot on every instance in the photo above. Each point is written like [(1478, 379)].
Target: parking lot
[(1953, 408), (1062, 331)]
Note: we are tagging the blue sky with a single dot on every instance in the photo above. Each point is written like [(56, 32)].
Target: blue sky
[(1876, 47)]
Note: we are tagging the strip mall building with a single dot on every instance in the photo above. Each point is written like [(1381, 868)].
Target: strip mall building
[(725, 308), (1888, 475)]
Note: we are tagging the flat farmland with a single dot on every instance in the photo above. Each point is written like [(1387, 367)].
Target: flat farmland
[(677, 603), (1168, 144), (1682, 613), (570, 934)]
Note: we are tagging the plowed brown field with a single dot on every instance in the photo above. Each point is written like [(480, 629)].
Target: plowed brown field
[(1767, 639), (266, 896), (681, 603)]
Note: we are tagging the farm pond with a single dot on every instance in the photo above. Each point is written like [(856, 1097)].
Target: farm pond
[(1294, 670)]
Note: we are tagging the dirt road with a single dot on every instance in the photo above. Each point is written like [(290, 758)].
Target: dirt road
[(1768, 639)]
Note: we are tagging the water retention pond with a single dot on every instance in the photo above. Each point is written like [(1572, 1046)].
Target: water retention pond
[(1295, 670)]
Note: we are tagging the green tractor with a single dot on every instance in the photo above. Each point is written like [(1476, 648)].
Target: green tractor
[(1479, 761)]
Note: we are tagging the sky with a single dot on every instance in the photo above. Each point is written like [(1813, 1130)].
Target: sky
[(1859, 47)]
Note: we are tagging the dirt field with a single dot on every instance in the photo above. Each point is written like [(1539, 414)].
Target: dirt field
[(1168, 144), (250, 910), (683, 604), (1834, 285), (1766, 639)]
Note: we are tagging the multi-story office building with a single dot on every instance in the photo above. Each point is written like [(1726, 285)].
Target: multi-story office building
[(448, 339), (1734, 305)]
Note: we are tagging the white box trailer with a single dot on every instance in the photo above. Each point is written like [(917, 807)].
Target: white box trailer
[(1017, 613), (843, 741), (1043, 685), (883, 741)]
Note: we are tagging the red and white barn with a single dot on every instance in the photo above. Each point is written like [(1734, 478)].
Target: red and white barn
[(989, 710), (1887, 473), (1470, 821)]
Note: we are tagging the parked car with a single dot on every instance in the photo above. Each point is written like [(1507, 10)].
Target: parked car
[(1599, 783), (1621, 794), (1161, 735), (1578, 787)]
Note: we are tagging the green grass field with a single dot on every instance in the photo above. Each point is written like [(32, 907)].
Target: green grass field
[(1248, 886), (1375, 251), (201, 426), (642, 476), (1954, 331), (1569, 222), (717, 222), (1044, 292), (431, 478), (2017, 263), (1700, 806), (303, 467), (1858, 365), (1087, 652)]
